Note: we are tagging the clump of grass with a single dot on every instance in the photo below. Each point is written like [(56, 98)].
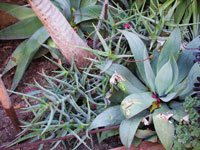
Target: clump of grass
[(66, 105)]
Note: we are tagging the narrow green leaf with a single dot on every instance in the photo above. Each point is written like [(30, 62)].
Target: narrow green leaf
[(29, 51), (171, 48), (28, 136), (180, 11), (128, 128), (136, 103), (139, 51), (164, 128), (21, 30), (51, 115), (164, 78), (19, 12), (105, 46), (109, 117), (15, 57)]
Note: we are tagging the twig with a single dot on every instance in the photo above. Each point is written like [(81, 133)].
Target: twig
[(60, 138), (7, 105)]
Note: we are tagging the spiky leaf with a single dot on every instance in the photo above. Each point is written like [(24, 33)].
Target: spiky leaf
[(21, 30), (19, 12), (28, 52)]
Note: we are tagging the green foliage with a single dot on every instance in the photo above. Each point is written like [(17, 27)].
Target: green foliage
[(29, 26), (188, 132), (128, 128), (161, 82), (64, 104)]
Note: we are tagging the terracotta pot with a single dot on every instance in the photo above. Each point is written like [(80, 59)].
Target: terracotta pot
[(143, 146)]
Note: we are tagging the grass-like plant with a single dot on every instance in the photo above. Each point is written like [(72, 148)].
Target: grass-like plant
[(65, 104), (153, 91)]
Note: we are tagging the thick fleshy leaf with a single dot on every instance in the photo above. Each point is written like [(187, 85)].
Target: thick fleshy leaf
[(117, 96), (75, 3), (108, 134), (177, 110), (185, 61), (149, 76), (171, 48), (109, 117), (86, 3), (130, 79), (136, 103), (143, 134), (191, 79), (21, 30), (169, 97), (164, 78), (164, 129), (175, 74), (30, 49), (19, 12), (154, 61), (139, 51), (87, 13), (128, 128)]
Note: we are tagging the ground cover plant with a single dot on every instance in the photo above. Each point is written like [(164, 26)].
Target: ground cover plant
[(66, 104), (147, 96)]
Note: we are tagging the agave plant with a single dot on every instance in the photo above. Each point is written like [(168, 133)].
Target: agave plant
[(154, 91)]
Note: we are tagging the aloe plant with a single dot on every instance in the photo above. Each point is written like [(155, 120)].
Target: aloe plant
[(168, 77)]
